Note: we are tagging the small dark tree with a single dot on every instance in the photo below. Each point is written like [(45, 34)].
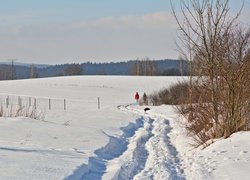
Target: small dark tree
[(7, 72), (73, 69)]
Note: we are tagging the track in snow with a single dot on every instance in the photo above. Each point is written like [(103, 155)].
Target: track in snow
[(144, 151), (133, 160), (150, 153), (162, 161)]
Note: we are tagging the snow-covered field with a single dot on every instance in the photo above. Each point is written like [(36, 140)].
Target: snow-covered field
[(117, 141)]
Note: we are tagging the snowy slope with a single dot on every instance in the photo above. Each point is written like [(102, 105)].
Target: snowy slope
[(53, 148), (117, 141)]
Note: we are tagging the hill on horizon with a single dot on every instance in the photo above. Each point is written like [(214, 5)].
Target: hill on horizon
[(165, 67)]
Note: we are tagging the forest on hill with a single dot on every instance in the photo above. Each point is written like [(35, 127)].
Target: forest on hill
[(167, 67)]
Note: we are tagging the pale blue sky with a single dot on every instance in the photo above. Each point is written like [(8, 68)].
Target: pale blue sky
[(60, 31), (78, 10)]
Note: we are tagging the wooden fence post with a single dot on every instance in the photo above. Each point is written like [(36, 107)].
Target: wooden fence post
[(35, 103), (7, 101), (49, 104), (19, 101), (29, 101), (98, 101)]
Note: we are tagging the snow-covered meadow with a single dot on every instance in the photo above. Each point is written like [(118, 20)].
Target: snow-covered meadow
[(117, 141)]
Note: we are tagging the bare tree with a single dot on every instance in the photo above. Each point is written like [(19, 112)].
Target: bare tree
[(136, 68), (217, 47), (235, 73), (144, 67), (33, 71)]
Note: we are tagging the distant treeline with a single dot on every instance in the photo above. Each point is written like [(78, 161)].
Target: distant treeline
[(144, 67)]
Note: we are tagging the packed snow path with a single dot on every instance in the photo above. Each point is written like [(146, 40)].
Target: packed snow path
[(144, 151), (159, 157)]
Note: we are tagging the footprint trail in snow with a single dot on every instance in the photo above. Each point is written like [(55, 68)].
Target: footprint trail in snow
[(144, 151), (149, 155)]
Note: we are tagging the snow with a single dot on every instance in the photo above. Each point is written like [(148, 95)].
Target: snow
[(117, 141), (229, 158)]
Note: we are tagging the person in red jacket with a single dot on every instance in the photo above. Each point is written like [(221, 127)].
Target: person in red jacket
[(137, 97)]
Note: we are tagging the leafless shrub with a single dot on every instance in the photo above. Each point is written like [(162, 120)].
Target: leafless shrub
[(18, 111), (21, 111), (164, 96), (1, 111), (178, 93), (34, 113), (218, 50), (174, 95), (154, 99)]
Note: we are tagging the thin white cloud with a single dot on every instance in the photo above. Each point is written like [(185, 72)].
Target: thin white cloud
[(110, 38), (154, 19), (105, 39), (14, 18)]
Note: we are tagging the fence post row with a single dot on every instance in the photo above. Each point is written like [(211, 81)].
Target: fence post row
[(20, 103)]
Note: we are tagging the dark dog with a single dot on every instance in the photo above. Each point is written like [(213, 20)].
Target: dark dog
[(146, 109)]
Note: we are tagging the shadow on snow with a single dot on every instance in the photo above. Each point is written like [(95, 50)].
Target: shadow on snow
[(96, 166)]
